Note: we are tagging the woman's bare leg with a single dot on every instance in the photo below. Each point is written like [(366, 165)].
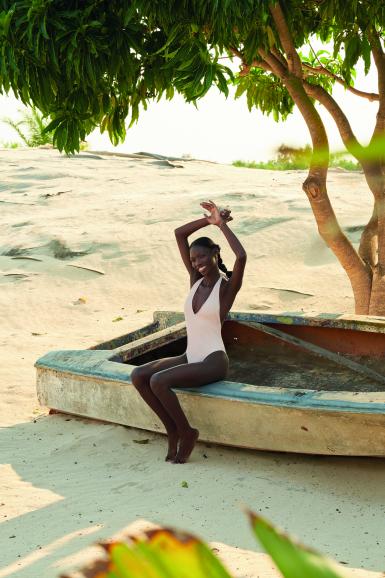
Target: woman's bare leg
[(140, 378), (213, 368)]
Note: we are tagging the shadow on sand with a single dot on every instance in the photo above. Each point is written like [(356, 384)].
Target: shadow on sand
[(92, 479)]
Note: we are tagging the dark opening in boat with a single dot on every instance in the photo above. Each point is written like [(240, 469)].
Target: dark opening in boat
[(260, 359)]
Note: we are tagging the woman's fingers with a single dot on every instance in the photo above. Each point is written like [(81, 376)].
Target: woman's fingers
[(206, 206), (212, 208)]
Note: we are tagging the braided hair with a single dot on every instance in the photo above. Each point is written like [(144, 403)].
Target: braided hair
[(209, 244)]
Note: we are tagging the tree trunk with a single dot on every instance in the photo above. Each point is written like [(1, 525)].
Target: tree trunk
[(377, 297), (368, 297), (329, 229), (359, 273), (373, 237)]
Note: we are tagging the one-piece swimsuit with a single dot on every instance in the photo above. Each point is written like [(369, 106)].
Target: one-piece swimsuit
[(203, 327)]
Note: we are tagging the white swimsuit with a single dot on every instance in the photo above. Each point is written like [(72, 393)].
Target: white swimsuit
[(204, 327)]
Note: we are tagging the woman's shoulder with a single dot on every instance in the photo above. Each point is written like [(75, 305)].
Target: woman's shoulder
[(224, 282)]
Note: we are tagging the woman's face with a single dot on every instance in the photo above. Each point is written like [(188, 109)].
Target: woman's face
[(203, 259)]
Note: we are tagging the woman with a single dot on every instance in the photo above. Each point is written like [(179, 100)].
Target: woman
[(205, 360)]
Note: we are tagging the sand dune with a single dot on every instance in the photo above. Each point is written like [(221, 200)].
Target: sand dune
[(87, 252)]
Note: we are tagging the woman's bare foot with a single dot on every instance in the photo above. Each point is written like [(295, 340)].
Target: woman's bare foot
[(186, 446), (173, 439)]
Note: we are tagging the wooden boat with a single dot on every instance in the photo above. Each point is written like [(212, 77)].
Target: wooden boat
[(297, 383)]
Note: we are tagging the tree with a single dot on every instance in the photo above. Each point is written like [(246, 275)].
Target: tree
[(94, 63)]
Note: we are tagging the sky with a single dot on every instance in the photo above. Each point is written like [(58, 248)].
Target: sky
[(222, 130)]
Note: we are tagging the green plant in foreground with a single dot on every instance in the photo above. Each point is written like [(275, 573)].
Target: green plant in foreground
[(167, 553)]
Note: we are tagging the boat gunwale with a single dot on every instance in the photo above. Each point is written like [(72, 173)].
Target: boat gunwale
[(310, 399), (367, 323), (163, 318), (168, 327)]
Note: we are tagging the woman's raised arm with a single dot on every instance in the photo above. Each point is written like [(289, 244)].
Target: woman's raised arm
[(181, 234), (215, 218)]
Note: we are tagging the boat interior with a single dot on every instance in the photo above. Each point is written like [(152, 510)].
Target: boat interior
[(318, 357)]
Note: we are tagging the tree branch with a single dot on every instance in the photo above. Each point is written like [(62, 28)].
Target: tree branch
[(379, 61), (293, 59), (343, 125), (274, 63), (308, 70), (246, 67), (279, 56)]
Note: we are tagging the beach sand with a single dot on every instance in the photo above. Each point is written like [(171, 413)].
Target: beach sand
[(87, 253)]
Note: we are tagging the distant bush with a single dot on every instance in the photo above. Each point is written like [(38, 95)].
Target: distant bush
[(10, 145), (273, 165), (291, 158), (31, 128)]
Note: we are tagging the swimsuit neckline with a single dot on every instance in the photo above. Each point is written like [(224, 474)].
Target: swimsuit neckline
[(204, 302)]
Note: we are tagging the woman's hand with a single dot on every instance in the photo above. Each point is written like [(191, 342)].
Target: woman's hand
[(217, 216)]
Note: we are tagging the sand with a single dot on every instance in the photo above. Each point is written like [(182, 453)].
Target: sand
[(87, 252)]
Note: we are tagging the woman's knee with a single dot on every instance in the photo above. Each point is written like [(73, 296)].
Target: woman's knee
[(157, 383), (138, 377)]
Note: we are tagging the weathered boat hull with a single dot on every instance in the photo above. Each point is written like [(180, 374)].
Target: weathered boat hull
[(96, 383)]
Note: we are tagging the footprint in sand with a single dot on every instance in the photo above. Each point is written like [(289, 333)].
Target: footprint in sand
[(22, 224), (55, 248), (250, 226), (13, 276), (263, 306), (47, 266), (354, 233), (13, 251), (295, 205), (289, 295), (242, 196), (285, 296)]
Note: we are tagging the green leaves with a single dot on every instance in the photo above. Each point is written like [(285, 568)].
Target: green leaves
[(5, 21), (167, 553), (162, 553), (265, 92), (292, 559), (100, 62)]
